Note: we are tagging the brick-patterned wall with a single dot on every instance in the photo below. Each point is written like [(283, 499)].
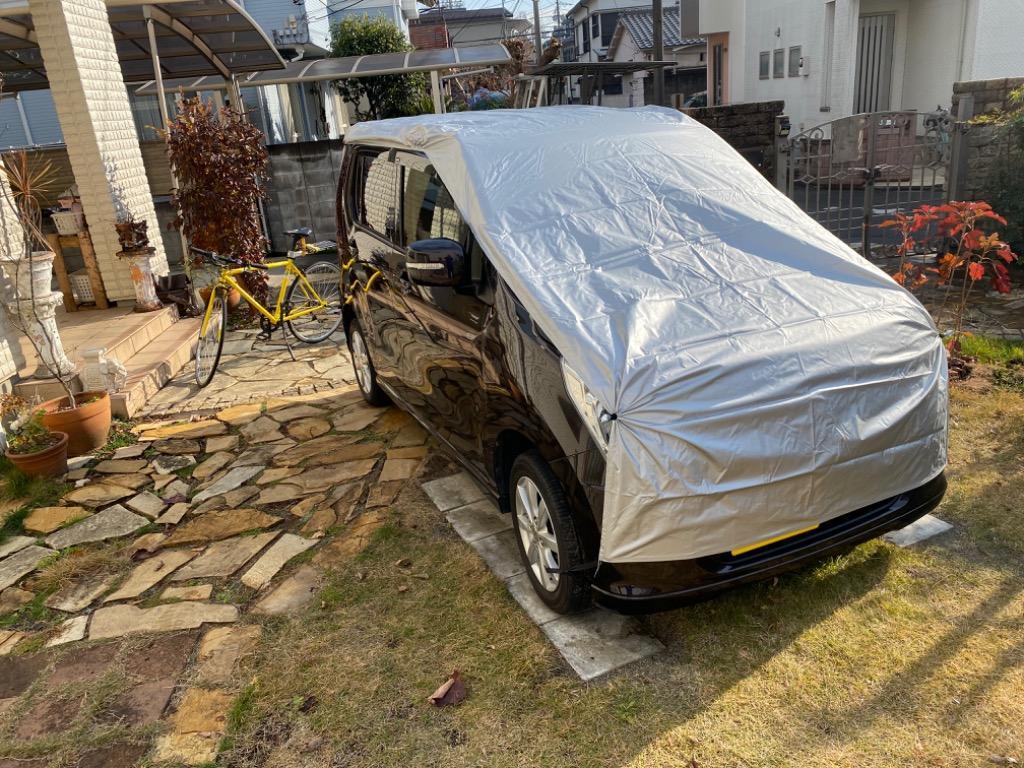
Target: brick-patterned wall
[(92, 102), (432, 35), (749, 128)]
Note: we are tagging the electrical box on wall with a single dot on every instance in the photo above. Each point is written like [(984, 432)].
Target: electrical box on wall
[(804, 69)]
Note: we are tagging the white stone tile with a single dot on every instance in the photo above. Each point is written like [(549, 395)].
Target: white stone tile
[(477, 520), (500, 553), (454, 491), (918, 531), (598, 642)]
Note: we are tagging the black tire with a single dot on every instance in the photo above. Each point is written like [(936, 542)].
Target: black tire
[(317, 326), (366, 374), (565, 592), (210, 344)]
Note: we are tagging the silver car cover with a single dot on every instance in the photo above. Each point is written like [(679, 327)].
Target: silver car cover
[(764, 377)]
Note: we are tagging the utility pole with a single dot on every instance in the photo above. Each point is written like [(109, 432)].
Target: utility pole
[(536, 32), (658, 54)]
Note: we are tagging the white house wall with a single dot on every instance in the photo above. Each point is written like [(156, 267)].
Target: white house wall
[(1000, 36)]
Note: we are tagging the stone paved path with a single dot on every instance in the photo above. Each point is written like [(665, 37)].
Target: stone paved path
[(128, 606), (251, 371)]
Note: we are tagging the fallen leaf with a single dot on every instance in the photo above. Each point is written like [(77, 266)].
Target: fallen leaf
[(451, 693), (405, 562)]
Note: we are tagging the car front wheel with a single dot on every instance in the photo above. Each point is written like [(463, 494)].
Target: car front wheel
[(366, 375), (547, 538)]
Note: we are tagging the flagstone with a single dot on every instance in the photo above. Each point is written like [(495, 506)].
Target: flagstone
[(214, 526), (135, 480), (306, 505), (176, 491), (205, 428), (352, 540), (221, 648), (240, 414), (383, 494), (261, 430), (274, 559), (398, 469), (111, 523), (9, 639), (125, 619), (294, 412), (293, 593), (77, 597), (221, 443), (12, 598), (132, 451), (307, 429), (277, 473), (165, 465), (356, 418), (21, 563), (71, 630), (339, 447), (262, 454), (223, 558), (319, 522), (322, 478), (148, 504), (178, 447), (162, 481), (173, 515), (196, 728), (147, 542), (13, 544), (409, 452), (76, 474), (120, 466), (97, 494), (150, 573), (189, 592), (409, 435), (275, 494), (213, 464), (234, 478)]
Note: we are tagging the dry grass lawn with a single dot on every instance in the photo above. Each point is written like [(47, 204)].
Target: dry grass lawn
[(884, 657)]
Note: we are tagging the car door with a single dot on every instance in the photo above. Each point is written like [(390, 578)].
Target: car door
[(447, 364), (379, 261)]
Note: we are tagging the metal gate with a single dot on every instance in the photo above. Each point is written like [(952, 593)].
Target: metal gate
[(853, 173)]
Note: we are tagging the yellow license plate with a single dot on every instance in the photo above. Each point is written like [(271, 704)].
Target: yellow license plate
[(772, 540)]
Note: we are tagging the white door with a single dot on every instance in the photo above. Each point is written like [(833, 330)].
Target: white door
[(874, 62)]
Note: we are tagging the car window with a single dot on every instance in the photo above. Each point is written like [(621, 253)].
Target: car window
[(375, 193), (428, 210)]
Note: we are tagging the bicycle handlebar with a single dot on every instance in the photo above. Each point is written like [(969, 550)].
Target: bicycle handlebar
[(221, 259)]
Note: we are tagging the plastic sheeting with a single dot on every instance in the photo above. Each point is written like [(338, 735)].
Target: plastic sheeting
[(764, 377)]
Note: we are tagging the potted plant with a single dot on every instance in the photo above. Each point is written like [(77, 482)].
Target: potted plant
[(32, 447), (29, 305)]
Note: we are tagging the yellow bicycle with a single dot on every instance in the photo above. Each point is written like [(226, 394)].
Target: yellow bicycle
[(308, 303)]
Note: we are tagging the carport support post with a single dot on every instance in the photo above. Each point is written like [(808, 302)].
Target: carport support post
[(436, 92)]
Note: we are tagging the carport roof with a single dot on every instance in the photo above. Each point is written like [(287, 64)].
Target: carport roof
[(194, 38), (340, 68)]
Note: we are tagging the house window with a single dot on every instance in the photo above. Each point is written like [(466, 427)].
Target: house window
[(794, 61), (703, 57), (608, 22), (763, 70), (584, 37), (595, 26), (779, 62)]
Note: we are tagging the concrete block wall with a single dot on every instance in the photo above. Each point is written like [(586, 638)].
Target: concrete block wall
[(985, 146), (301, 189), (92, 102), (749, 128)]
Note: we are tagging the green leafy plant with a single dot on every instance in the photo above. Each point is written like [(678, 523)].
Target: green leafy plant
[(26, 432), (220, 161), (386, 95)]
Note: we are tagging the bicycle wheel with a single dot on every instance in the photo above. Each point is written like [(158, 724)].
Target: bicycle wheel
[(209, 344), (315, 326)]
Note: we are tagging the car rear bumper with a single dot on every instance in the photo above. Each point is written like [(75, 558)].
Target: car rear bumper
[(649, 587)]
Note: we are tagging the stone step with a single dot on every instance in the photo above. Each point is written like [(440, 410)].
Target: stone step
[(154, 365), (136, 331)]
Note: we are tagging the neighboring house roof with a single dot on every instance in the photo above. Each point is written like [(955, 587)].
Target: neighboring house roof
[(640, 25), (434, 16)]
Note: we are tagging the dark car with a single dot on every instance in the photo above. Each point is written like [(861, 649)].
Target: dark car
[(435, 329)]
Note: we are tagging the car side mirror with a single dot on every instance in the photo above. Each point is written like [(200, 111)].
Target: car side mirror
[(438, 262)]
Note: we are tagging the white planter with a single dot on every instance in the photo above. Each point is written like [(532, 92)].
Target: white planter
[(32, 277)]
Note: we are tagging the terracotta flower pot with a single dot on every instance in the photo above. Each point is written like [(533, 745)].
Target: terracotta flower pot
[(87, 425), (49, 462), (234, 297)]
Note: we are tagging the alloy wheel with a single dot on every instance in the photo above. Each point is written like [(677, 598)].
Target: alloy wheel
[(361, 361), (537, 533)]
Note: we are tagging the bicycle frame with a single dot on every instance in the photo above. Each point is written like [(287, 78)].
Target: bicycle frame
[(226, 281)]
